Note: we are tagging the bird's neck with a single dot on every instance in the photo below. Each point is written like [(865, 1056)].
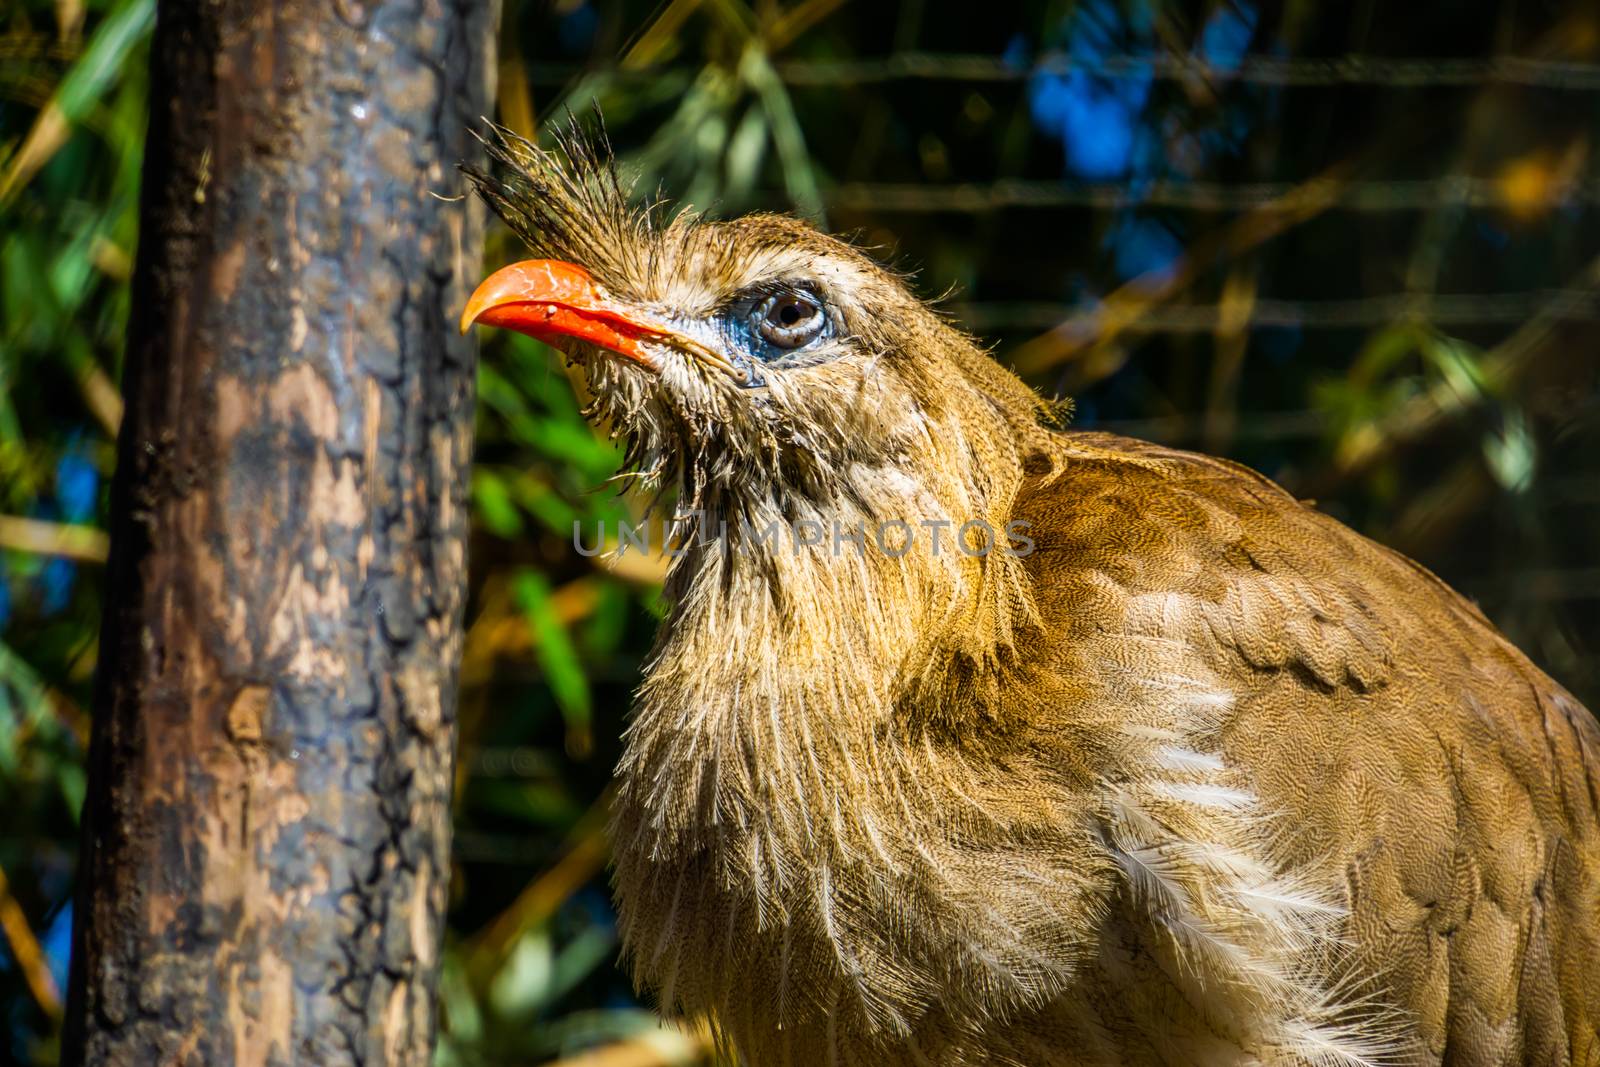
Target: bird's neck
[(802, 631), (777, 748)]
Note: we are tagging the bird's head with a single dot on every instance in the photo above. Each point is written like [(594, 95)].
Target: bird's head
[(752, 359)]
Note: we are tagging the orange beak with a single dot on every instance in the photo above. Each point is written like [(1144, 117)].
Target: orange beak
[(550, 300)]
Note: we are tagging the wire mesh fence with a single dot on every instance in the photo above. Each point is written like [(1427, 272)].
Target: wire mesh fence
[(1351, 69)]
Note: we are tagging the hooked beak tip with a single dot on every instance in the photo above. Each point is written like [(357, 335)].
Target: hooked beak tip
[(551, 300), (517, 282)]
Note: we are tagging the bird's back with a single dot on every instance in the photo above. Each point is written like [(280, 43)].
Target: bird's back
[(1400, 746)]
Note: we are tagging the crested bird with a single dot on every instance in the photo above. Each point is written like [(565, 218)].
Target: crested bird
[(970, 739)]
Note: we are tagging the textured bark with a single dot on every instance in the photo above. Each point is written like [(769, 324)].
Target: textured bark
[(266, 851)]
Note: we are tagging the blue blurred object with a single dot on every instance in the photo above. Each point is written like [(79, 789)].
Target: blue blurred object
[(1096, 117), (1493, 235), (1225, 40), (57, 944), (1016, 54), (1277, 343), (57, 580), (595, 906), (77, 486), (1143, 248), (576, 28)]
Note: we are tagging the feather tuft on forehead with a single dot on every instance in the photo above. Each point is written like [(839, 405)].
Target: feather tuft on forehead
[(569, 202)]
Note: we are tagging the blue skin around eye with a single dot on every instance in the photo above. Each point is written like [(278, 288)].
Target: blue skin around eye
[(750, 351)]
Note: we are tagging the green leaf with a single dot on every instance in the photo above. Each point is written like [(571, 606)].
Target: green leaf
[(1385, 350), (541, 804), (492, 498), (1459, 364), (799, 177), (538, 374), (593, 946), (538, 499), (24, 706), (607, 625), (574, 442), (104, 58), (523, 983), (557, 656), (496, 391), (746, 150), (74, 785), (1511, 452), (462, 1020)]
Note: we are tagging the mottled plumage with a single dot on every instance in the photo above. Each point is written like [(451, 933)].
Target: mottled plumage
[(1204, 778)]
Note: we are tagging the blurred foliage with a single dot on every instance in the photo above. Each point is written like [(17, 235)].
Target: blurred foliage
[(1214, 258)]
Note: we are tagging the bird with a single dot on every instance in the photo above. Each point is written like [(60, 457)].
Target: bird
[(973, 738)]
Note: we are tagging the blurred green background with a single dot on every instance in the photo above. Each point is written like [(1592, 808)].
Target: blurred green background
[(1352, 244)]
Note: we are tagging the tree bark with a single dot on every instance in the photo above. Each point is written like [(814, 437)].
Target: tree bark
[(266, 839)]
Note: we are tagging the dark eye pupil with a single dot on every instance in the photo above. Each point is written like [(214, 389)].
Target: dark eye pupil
[(789, 320)]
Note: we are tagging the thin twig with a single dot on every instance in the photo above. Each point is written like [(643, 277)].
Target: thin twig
[(1442, 309), (500, 629), (1372, 196), (1441, 402), (1128, 304), (670, 1046), (1333, 71), (41, 537), (26, 951), (585, 857), (797, 20)]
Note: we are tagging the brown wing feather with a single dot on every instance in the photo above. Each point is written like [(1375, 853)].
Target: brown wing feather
[(1451, 780)]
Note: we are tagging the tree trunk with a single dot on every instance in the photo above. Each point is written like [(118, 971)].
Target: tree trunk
[(266, 840)]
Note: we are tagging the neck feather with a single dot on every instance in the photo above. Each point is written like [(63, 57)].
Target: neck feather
[(779, 764)]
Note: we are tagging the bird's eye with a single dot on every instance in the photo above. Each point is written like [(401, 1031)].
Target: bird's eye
[(789, 320)]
